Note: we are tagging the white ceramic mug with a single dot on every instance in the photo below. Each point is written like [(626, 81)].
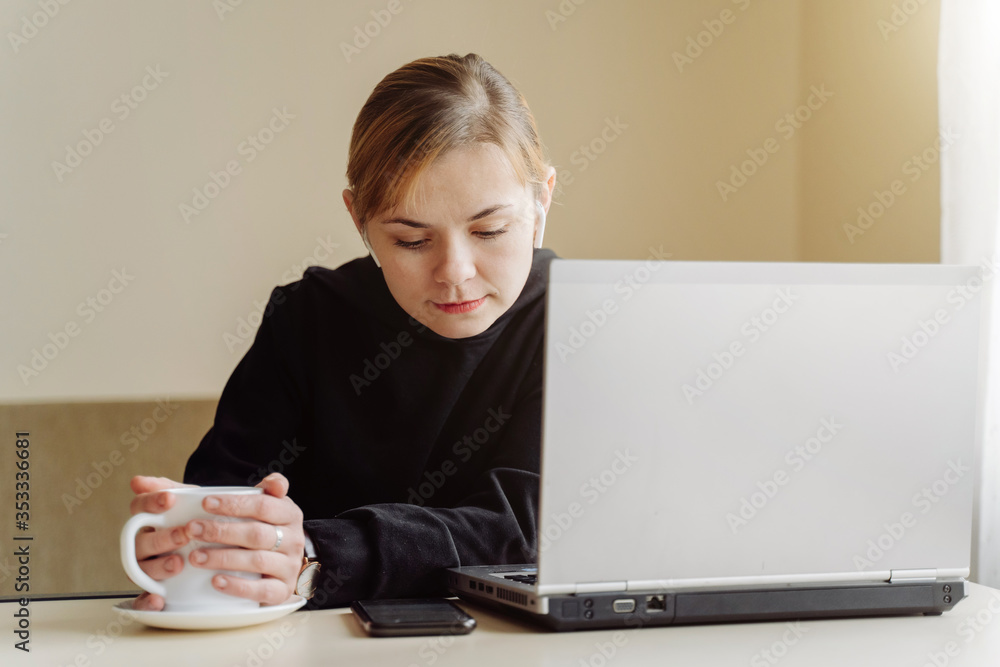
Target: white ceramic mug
[(191, 589)]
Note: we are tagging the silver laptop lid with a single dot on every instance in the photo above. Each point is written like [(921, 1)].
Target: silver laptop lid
[(735, 423)]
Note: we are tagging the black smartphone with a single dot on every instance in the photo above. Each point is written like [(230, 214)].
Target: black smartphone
[(401, 618)]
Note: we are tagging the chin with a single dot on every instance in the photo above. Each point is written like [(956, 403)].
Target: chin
[(458, 331), (464, 328)]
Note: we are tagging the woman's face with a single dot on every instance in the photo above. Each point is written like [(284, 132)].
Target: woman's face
[(458, 257)]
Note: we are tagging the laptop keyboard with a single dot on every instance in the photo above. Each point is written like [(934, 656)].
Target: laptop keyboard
[(530, 579)]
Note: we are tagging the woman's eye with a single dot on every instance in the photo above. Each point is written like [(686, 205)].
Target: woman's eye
[(491, 234), (410, 244), (486, 235)]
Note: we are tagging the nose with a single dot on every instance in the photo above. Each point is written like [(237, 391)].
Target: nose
[(456, 263)]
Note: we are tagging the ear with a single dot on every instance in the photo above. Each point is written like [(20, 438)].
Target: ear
[(550, 186), (543, 205), (539, 224)]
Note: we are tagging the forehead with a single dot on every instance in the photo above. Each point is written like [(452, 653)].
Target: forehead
[(466, 176)]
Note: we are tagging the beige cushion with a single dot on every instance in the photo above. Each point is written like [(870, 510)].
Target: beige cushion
[(82, 457)]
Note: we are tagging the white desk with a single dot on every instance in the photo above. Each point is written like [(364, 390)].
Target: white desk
[(79, 632)]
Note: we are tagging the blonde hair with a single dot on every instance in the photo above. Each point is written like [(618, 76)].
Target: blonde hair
[(424, 109)]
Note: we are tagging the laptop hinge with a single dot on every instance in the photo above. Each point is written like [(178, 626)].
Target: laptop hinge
[(600, 587), (912, 576)]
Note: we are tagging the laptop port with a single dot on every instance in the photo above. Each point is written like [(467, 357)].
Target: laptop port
[(655, 603), (623, 606)]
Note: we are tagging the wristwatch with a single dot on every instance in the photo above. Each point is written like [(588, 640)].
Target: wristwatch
[(308, 576)]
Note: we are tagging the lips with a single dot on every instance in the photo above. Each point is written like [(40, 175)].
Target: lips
[(460, 307)]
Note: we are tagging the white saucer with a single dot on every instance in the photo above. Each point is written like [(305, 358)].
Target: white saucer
[(208, 620)]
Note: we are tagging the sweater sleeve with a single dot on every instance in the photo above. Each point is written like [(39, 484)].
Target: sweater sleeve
[(395, 550)]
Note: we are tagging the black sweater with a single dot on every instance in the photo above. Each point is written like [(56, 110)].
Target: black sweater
[(408, 452)]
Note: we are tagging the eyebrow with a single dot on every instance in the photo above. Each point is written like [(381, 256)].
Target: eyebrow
[(485, 213)]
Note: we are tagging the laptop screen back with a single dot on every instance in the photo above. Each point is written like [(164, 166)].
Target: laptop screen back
[(735, 422)]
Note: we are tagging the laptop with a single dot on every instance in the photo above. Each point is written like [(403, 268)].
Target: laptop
[(726, 441)]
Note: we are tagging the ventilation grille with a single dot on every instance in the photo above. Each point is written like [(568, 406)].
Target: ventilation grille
[(512, 596)]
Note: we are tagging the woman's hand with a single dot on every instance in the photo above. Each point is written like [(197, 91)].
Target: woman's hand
[(279, 568), (151, 544)]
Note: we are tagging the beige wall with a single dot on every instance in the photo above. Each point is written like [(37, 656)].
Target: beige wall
[(675, 133), (883, 116), (190, 282)]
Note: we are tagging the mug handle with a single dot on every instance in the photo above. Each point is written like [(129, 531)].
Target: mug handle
[(129, 562)]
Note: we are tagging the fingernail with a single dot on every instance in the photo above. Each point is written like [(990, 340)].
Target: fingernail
[(170, 564), (161, 500), (198, 557), (211, 503), (197, 528), (221, 582)]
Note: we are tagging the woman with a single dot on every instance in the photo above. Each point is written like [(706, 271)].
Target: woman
[(396, 400)]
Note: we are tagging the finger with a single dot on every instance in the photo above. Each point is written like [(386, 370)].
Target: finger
[(155, 502), (267, 591), (151, 543), (264, 508), (148, 602), (144, 484), (268, 563), (275, 485), (162, 568), (246, 534)]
